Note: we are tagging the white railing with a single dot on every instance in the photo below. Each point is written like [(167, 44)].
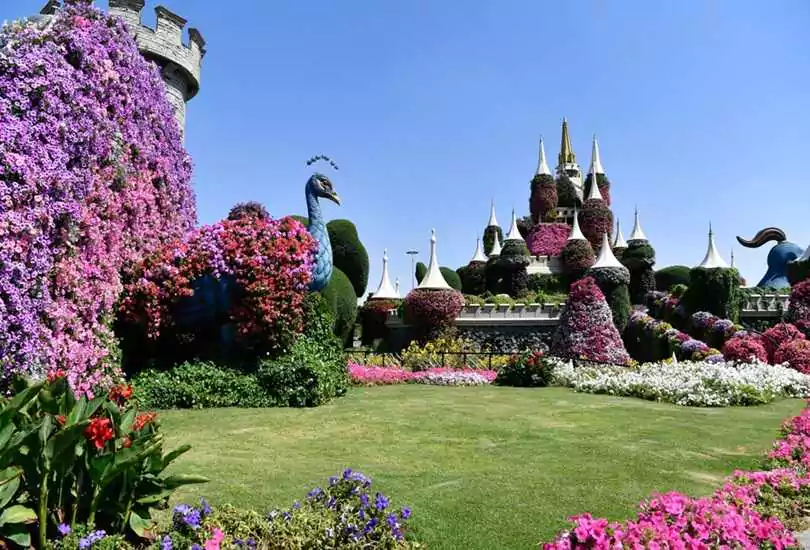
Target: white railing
[(765, 305)]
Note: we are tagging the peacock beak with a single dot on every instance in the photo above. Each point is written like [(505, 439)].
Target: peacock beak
[(334, 198)]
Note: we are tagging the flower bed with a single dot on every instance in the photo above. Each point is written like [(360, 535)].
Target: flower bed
[(751, 510), (664, 339), (362, 375), (696, 384)]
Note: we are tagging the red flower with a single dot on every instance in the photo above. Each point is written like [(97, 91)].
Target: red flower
[(60, 418), (121, 393), (143, 419), (99, 432), (127, 443), (55, 375)]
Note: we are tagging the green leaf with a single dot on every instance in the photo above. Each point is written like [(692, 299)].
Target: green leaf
[(65, 438), (93, 405), (99, 466), (17, 514), (8, 489), (18, 534), (5, 434), (78, 411), (21, 399), (125, 425), (172, 456), (45, 430), (156, 497), (138, 524), (173, 482)]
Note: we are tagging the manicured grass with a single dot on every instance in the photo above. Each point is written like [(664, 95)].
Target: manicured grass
[(482, 467)]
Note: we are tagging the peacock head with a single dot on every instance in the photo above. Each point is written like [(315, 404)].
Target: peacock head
[(321, 186)]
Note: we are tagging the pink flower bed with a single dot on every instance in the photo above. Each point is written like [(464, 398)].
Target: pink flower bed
[(548, 239), (748, 511), (381, 376)]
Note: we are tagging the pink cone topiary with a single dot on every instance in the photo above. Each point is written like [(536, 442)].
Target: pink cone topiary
[(586, 329), (428, 310), (93, 175)]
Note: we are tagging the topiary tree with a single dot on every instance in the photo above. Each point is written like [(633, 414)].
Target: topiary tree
[(512, 265), (473, 278), (595, 219), (429, 311), (716, 290), (613, 282), (250, 209), (489, 237), (566, 193), (639, 258), (577, 257), (525, 226), (340, 297), (586, 329), (543, 199), (421, 271), (670, 276), (93, 176), (493, 276), (451, 277), (604, 186), (348, 253)]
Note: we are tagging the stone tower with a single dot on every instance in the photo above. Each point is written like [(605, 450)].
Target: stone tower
[(179, 62)]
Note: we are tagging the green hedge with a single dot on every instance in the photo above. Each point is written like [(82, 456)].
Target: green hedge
[(670, 276), (613, 282), (473, 278), (350, 256), (451, 277), (548, 284), (639, 258), (714, 290), (421, 271), (342, 304)]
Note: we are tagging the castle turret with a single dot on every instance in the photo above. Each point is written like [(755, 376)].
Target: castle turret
[(179, 63), (576, 232), (542, 165), (567, 161), (478, 256), (596, 161), (712, 259), (385, 290), (619, 243), (433, 279), (637, 234)]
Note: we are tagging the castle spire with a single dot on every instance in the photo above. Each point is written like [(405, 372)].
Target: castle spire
[(594, 192), (514, 232), (567, 155), (479, 255), (712, 260), (576, 233), (496, 247), (542, 166), (637, 234), (433, 278), (385, 291), (606, 258), (493, 221), (619, 242), (596, 162)]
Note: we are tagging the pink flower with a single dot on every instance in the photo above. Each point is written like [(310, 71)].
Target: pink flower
[(215, 540)]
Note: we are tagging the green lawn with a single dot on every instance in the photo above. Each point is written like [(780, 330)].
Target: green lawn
[(482, 467)]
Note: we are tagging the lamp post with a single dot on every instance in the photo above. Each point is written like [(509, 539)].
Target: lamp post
[(412, 253)]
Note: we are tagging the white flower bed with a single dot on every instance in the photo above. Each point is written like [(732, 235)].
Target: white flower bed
[(697, 384)]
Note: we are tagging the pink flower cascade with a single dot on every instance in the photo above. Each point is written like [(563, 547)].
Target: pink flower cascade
[(548, 239), (93, 175), (586, 328), (379, 376), (733, 517)]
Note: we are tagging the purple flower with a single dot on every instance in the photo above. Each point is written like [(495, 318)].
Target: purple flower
[(406, 513), (64, 529), (166, 543), (91, 539), (206, 509), (381, 502)]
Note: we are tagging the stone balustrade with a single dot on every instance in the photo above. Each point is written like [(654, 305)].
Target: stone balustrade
[(765, 305)]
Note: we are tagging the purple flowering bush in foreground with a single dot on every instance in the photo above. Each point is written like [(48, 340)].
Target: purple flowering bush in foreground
[(93, 174)]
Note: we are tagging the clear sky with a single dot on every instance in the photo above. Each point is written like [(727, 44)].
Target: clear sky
[(433, 108)]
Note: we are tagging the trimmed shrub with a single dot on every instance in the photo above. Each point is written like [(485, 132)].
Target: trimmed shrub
[(714, 290), (745, 349), (515, 253), (543, 198), (342, 304), (93, 175), (577, 257), (777, 335), (548, 239), (566, 192), (547, 284), (251, 209), (613, 282), (373, 314), (604, 186), (595, 219), (421, 271), (799, 309), (451, 277), (670, 276), (493, 275), (473, 278), (349, 254), (795, 353), (527, 369), (639, 258), (429, 311), (489, 238), (586, 330)]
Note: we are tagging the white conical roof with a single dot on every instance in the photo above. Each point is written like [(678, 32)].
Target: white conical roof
[(606, 258), (479, 255), (596, 162), (542, 166), (493, 221), (637, 234), (433, 278), (619, 241), (496, 247), (594, 192), (514, 232), (386, 290), (712, 260), (576, 233)]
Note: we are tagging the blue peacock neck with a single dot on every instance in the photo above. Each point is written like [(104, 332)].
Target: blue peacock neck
[(322, 270)]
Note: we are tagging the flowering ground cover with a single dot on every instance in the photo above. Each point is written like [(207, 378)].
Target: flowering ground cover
[(492, 468), (380, 376)]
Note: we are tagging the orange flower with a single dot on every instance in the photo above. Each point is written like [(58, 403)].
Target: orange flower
[(121, 393), (143, 419), (55, 375)]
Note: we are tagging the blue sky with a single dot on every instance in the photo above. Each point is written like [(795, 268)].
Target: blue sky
[(432, 109)]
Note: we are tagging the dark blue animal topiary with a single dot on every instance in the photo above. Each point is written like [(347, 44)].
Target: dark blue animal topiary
[(778, 258)]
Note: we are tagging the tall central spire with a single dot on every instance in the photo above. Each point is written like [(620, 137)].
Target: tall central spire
[(567, 155), (542, 166)]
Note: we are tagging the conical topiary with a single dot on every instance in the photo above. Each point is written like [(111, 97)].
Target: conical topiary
[(604, 186), (543, 198), (586, 330)]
